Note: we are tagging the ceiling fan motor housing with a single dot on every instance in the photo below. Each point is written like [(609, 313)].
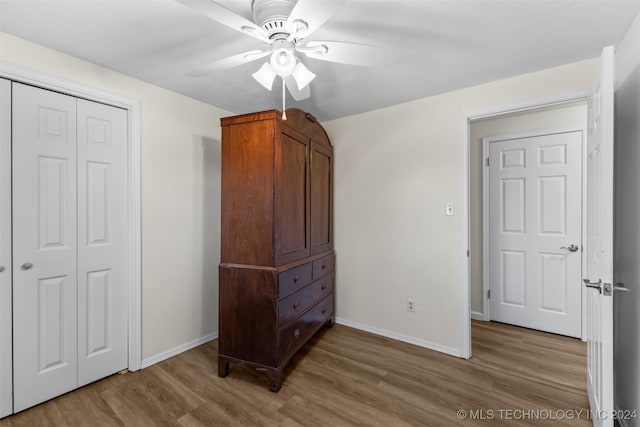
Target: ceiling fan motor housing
[(271, 15)]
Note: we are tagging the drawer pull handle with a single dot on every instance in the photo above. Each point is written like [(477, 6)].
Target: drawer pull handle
[(296, 278), (324, 266), (324, 286), (296, 333), (296, 304)]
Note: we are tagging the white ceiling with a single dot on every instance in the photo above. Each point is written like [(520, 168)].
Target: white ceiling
[(443, 45)]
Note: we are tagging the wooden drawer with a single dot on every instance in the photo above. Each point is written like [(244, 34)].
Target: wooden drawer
[(294, 279), (296, 334), (322, 266), (295, 304)]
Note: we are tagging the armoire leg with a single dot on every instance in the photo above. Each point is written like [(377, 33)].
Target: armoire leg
[(223, 368), (275, 380)]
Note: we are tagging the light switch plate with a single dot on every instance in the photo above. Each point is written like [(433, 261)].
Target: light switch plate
[(449, 209)]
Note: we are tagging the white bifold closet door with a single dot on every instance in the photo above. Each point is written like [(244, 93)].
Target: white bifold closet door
[(69, 257), (6, 372)]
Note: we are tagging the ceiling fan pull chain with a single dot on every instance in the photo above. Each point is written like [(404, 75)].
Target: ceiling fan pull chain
[(284, 112)]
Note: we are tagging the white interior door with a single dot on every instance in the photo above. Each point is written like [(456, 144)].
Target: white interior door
[(535, 227), (6, 368), (44, 245), (102, 308), (69, 252), (599, 245)]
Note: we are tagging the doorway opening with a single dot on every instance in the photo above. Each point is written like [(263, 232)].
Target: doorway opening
[(526, 217), (518, 124)]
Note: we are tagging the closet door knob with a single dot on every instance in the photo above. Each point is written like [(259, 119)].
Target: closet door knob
[(26, 266), (1, 268)]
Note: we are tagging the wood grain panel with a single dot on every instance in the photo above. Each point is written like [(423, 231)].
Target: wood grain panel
[(246, 331), (247, 221), (291, 197), (321, 188)]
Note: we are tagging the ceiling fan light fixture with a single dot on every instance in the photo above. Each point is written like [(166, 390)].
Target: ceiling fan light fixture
[(265, 76), (283, 62), (302, 75)]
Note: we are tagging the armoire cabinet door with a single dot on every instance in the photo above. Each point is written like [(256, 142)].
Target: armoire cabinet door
[(321, 183), (6, 366), (291, 198)]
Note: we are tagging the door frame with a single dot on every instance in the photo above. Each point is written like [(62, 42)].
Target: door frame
[(133, 235), (465, 202), (486, 307)]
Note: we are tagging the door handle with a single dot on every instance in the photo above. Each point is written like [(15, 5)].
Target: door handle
[(619, 286), (595, 285), (26, 266), (571, 248), (1, 268)]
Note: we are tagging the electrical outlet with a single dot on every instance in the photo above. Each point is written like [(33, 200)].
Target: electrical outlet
[(411, 306)]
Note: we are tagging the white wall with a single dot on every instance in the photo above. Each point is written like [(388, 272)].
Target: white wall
[(395, 168), (627, 238), (571, 116), (180, 156)]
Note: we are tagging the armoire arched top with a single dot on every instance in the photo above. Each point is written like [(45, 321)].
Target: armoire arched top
[(296, 118)]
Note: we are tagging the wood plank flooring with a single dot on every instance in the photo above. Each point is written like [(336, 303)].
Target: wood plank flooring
[(346, 377)]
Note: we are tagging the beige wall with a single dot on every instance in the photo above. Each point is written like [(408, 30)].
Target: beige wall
[(627, 236), (180, 156), (395, 168), (573, 116)]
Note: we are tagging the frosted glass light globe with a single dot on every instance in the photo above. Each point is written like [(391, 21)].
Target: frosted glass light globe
[(283, 62)]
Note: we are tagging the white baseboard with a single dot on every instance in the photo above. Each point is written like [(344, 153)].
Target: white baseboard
[(400, 337), (476, 315), (177, 350)]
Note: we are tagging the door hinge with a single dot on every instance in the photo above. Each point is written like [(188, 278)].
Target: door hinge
[(467, 253), (487, 161), (489, 294)]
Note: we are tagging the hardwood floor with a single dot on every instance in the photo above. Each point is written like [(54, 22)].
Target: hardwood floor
[(346, 377)]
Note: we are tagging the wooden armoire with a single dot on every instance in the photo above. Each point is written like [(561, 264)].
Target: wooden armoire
[(276, 270)]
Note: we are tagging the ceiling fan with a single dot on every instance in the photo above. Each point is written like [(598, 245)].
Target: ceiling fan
[(284, 25)]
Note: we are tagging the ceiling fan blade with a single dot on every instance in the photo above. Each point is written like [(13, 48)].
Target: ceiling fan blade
[(221, 14), (297, 94), (314, 13), (348, 53), (230, 62)]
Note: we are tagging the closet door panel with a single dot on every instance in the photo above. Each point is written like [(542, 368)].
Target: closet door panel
[(102, 171), (6, 368), (44, 245)]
